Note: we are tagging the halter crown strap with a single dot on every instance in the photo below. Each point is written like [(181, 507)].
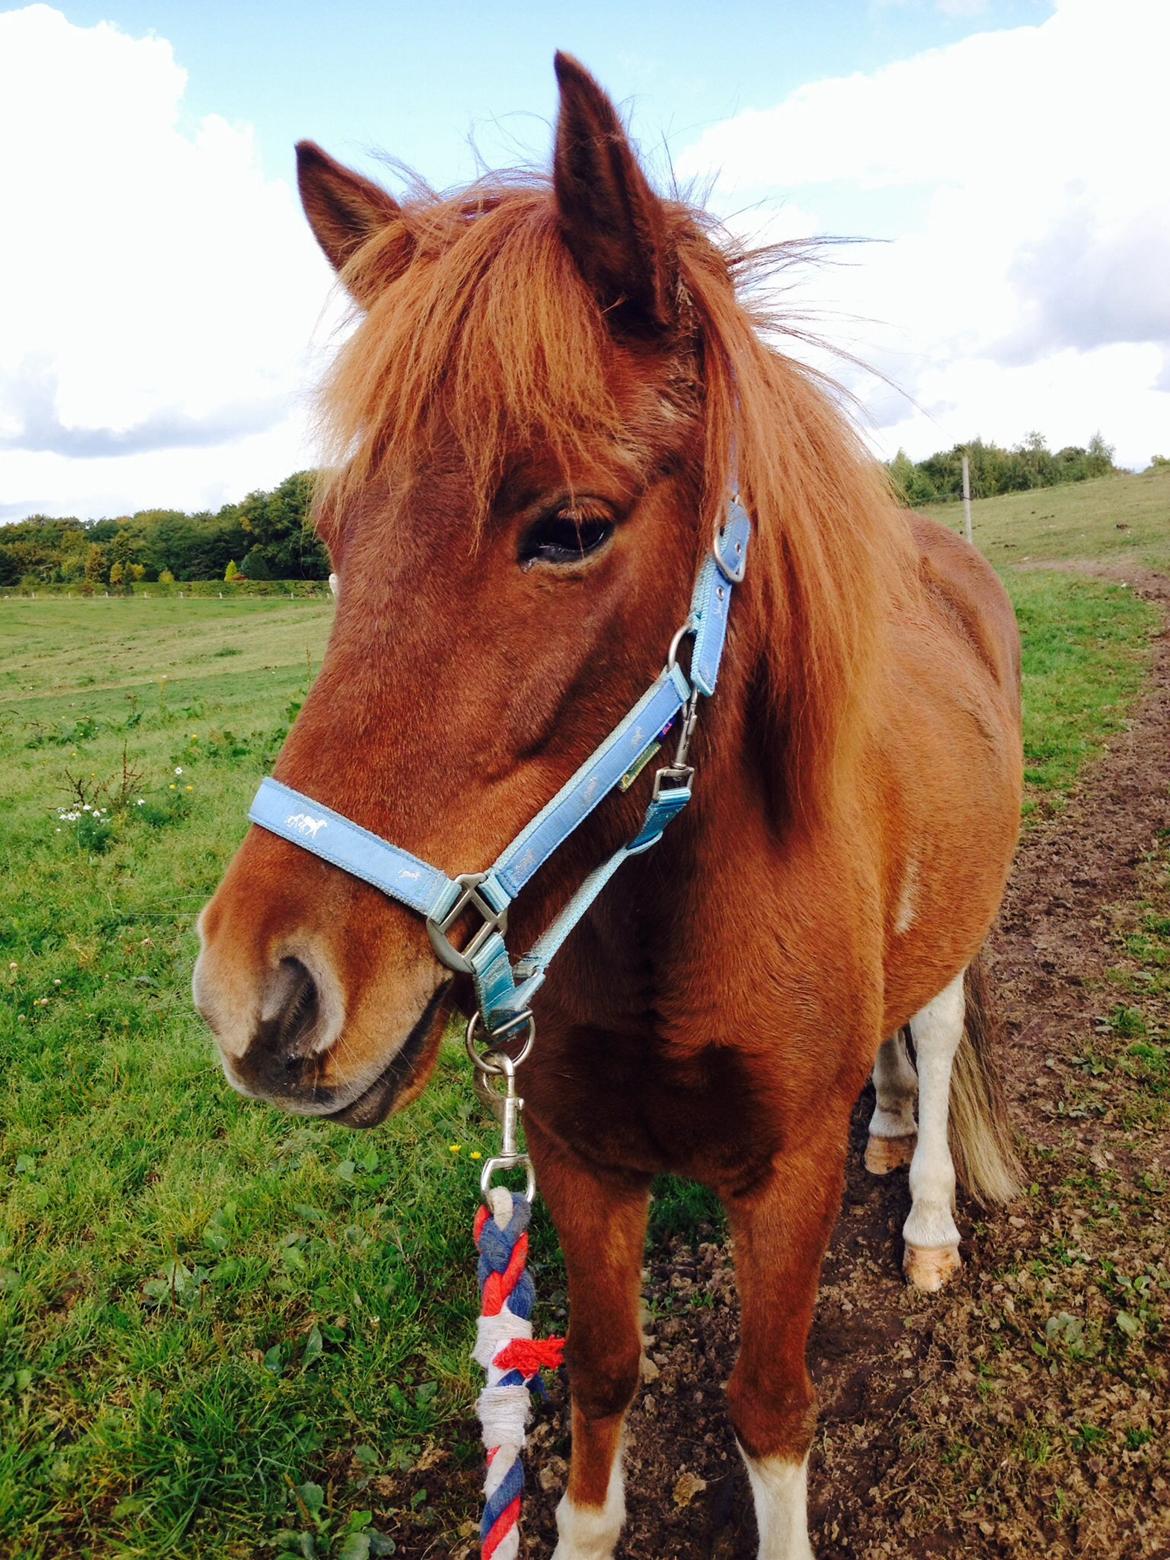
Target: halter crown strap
[(503, 994)]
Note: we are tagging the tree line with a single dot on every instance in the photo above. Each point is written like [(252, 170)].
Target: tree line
[(266, 536), (997, 470)]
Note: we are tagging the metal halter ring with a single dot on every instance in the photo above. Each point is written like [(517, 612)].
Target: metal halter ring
[(675, 644), (484, 1062)]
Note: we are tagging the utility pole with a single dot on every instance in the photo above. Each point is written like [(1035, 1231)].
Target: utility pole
[(967, 499)]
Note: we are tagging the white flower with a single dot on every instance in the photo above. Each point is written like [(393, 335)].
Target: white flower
[(141, 802), (178, 769)]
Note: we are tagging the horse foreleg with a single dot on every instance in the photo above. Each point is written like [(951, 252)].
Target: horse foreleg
[(780, 1232), (930, 1233), (892, 1126), (601, 1222)]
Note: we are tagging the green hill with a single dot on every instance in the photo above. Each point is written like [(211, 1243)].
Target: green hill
[(1111, 518)]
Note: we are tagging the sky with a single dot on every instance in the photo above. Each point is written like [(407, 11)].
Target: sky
[(165, 313)]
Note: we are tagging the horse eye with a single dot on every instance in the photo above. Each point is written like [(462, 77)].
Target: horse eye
[(563, 538)]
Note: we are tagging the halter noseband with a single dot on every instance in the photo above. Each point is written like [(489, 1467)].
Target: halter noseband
[(504, 992)]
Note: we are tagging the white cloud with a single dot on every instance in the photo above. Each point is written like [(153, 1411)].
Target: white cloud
[(1016, 175), (158, 293)]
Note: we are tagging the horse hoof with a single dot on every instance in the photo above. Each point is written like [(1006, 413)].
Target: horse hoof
[(884, 1154), (928, 1268)]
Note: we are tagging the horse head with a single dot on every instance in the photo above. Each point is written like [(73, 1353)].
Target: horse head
[(529, 462)]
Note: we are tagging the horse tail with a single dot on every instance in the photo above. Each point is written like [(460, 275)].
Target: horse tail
[(981, 1138)]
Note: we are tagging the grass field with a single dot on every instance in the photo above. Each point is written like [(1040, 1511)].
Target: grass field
[(218, 1324), (1122, 520)]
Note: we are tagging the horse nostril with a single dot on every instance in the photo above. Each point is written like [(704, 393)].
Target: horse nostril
[(285, 1056), (292, 1008)]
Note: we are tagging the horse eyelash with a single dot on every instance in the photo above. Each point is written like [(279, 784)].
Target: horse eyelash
[(584, 517)]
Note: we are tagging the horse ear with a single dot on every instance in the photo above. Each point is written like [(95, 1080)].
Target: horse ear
[(345, 210), (614, 224)]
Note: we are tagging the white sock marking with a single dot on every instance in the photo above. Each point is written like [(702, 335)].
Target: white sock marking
[(592, 1532), (780, 1492), (937, 1031)]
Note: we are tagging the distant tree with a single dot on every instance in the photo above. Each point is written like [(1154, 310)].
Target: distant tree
[(911, 483), (271, 531), (31, 558), (117, 574), (165, 577), (97, 563), (279, 531), (1157, 461), (944, 472), (255, 565), (36, 547), (137, 571), (997, 470), (71, 555), (231, 572), (1099, 457)]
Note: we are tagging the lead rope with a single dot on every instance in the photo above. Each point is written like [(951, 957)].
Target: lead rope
[(504, 1345)]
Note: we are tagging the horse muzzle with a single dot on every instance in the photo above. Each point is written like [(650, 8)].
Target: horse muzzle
[(292, 1030)]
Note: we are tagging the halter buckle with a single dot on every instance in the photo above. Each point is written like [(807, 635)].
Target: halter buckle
[(470, 898), (733, 568)]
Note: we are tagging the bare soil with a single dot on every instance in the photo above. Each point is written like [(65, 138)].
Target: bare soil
[(1026, 1410)]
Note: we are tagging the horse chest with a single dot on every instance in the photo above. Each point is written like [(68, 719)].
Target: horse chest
[(639, 1104)]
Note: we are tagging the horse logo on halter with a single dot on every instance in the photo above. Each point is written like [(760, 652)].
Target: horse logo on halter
[(303, 824)]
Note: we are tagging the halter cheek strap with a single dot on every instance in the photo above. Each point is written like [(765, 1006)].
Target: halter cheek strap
[(504, 992)]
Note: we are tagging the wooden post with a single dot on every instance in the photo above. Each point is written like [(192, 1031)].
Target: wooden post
[(967, 500)]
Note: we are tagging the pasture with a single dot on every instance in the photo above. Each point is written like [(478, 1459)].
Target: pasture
[(226, 1332)]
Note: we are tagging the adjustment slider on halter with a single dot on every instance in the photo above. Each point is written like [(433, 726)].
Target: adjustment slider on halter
[(493, 918)]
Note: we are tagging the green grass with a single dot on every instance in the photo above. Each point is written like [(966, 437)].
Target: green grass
[(1085, 650), (217, 1322), (1115, 520), (202, 1300)]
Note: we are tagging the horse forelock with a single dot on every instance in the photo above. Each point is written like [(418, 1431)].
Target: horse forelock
[(479, 329)]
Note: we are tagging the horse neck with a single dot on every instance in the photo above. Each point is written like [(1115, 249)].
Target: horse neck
[(652, 924)]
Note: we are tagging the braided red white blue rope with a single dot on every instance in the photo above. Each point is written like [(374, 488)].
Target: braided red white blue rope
[(513, 1360)]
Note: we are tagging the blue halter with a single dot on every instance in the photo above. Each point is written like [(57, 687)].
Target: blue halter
[(504, 993)]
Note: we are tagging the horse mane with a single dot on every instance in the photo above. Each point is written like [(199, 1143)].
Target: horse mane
[(474, 304)]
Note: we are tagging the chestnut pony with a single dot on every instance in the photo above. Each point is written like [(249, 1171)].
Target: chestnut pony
[(536, 419)]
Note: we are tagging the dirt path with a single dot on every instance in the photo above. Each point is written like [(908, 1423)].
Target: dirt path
[(1017, 1414)]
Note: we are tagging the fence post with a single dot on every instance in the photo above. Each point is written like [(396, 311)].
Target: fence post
[(967, 500)]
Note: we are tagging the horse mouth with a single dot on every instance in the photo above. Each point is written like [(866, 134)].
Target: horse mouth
[(406, 1072)]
